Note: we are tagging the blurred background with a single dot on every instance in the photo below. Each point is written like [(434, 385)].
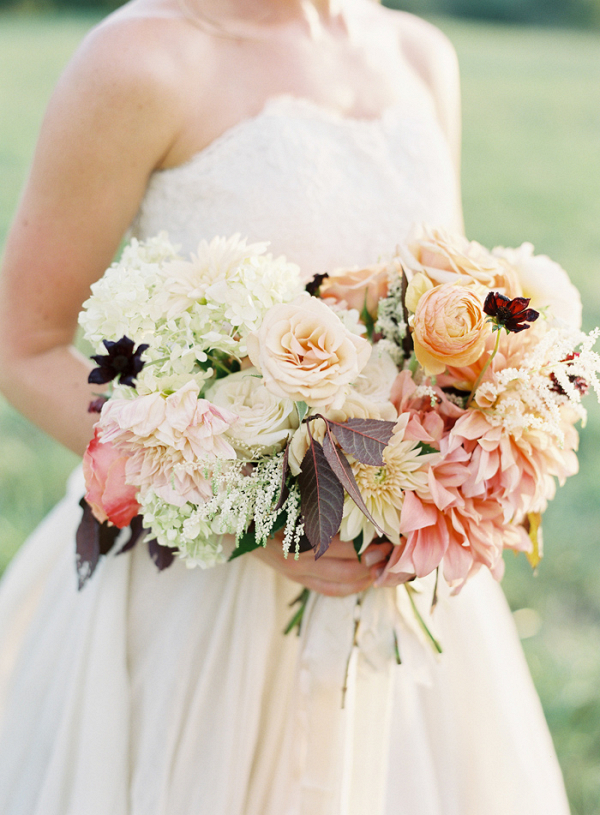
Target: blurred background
[(531, 171)]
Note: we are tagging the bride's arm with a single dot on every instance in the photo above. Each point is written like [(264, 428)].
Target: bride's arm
[(108, 125), (113, 118)]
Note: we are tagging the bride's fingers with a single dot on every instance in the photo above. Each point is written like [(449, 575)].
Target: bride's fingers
[(334, 589), (376, 553), (340, 570)]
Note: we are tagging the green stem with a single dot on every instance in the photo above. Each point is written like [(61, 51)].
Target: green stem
[(484, 369), (296, 620), (354, 645), (156, 361), (410, 591), (219, 365)]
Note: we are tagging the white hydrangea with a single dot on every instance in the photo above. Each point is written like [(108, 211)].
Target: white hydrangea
[(123, 300), (236, 282), (188, 312), (182, 528)]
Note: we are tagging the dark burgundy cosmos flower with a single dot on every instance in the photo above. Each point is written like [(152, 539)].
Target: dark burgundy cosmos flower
[(121, 361), (513, 315), (312, 287), (580, 384)]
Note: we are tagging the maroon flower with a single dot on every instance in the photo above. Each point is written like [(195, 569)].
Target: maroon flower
[(580, 384), (122, 360), (513, 315)]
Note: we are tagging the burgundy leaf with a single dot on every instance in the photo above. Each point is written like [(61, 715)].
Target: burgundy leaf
[(284, 492), (92, 539), (107, 536), (87, 545), (407, 343), (304, 545), (322, 499), (162, 556), (96, 405), (365, 439), (137, 530), (341, 467)]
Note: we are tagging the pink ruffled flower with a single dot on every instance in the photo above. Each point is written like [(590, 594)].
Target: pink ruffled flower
[(518, 470), (170, 441), (109, 496), (428, 421), (448, 529)]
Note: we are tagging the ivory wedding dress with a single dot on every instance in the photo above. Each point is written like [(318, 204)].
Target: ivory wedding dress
[(176, 693)]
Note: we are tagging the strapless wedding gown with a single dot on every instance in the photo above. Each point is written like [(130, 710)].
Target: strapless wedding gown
[(176, 693)]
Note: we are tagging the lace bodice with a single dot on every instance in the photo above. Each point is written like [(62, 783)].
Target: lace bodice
[(325, 190)]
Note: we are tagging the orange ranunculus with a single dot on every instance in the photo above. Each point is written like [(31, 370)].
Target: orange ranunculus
[(109, 497), (449, 327), (357, 288)]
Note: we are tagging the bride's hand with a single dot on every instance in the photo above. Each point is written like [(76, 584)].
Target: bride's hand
[(337, 573)]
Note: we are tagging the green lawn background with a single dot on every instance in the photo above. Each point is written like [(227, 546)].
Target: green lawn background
[(531, 171)]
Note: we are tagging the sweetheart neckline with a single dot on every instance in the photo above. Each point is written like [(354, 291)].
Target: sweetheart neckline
[(285, 103)]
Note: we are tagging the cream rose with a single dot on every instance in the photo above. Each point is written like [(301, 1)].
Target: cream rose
[(357, 288), (377, 377), (449, 328), (445, 257), (264, 419), (305, 353), (545, 282), (356, 406)]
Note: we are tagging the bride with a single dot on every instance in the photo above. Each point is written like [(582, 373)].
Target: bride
[(326, 127)]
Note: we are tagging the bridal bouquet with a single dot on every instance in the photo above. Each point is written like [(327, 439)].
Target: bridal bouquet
[(430, 401)]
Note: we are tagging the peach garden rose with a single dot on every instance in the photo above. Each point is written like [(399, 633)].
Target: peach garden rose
[(357, 288), (109, 497), (450, 328), (305, 353)]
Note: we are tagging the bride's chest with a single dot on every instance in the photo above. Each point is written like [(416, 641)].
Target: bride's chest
[(325, 190)]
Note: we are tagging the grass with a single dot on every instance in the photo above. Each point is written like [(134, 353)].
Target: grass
[(531, 172)]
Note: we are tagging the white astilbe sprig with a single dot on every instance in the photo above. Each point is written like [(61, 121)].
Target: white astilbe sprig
[(535, 394), (390, 319), (242, 495)]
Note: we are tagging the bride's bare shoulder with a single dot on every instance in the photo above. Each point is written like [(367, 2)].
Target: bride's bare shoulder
[(431, 55), (130, 76), (427, 49), (140, 43)]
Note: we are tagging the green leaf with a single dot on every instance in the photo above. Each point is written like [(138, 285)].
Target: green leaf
[(368, 321), (358, 542), (397, 650), (296, 620), (424, 449), (247, 543), (302, 409)]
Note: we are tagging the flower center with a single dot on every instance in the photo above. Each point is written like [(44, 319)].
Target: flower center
[(120, 362), (380, 475), (504, 315)]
